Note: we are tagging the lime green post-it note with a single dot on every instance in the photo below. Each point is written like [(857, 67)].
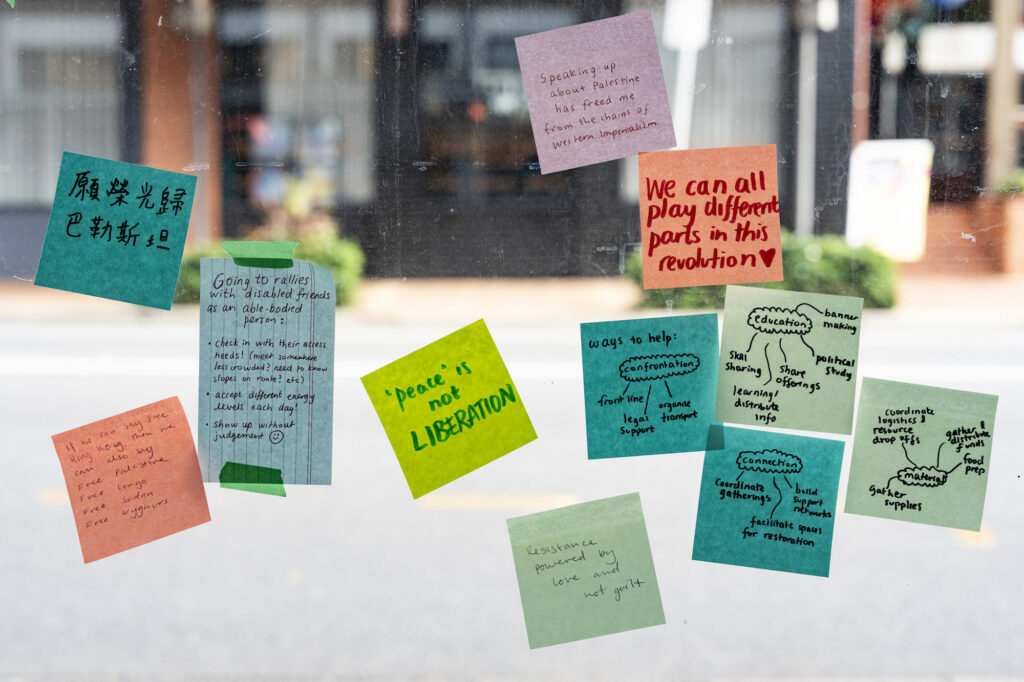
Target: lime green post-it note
[(921, 454), (789, 359), (116, 230), (449, 408), (585, 570)]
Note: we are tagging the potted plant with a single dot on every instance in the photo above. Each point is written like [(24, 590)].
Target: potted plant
[(1010, 215)]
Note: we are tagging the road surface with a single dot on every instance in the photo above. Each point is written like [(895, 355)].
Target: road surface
[(359, 581)]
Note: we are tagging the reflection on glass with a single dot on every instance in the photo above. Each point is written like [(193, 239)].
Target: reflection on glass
[(298, 108), (477, 141)]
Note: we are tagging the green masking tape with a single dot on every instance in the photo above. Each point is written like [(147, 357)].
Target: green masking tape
[(252, 478), (261, 254)]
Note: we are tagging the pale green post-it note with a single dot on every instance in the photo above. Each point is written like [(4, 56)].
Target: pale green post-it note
[(266, 369), (449, 408), (116, 230), (585, 570), (921, 454), (789, 359), (768, 500)]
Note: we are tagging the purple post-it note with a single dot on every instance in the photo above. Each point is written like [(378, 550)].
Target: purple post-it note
[(595, 92)]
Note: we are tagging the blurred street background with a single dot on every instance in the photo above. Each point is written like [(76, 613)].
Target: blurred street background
[(357, 581)]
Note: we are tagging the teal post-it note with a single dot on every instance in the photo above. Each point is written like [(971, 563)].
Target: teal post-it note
[(116, 230), (649, 385), (768, 500), (921, 454), (449, 408), (266, 369), (585, 570), (789, 359)]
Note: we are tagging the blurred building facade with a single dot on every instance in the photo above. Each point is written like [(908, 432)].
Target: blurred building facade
[(403, 121), (949, 71)]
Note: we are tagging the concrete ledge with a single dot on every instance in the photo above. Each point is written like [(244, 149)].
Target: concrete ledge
[(924, 293), (514, 300)]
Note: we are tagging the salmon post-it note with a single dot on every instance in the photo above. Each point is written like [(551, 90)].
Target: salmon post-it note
[(921, 454), (595, 91), (585, 570), (116, 230), (449, 408), (710, 216), (132, 478)]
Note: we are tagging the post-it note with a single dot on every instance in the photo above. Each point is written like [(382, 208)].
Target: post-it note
[(649, 384), (449, 408), (768, 500), (116, 230), (789, 359), (585, 570), (132, 478), (921, 454), (595, 91), (266, 369), (710, 216)]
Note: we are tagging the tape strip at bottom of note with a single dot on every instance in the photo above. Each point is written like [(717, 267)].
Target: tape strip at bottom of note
[(252, 478)]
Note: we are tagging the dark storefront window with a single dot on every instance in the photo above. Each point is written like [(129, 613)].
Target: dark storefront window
[(477, 142), (415, 138), (297, 98)]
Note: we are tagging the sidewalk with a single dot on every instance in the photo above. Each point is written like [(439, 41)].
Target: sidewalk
[(997, 298)]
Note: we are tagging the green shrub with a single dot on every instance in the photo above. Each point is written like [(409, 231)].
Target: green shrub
[(1012, 183), (825, 265), (342, 257)]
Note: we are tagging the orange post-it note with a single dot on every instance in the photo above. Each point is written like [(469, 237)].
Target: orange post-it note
[(132, 478), (710, 216)]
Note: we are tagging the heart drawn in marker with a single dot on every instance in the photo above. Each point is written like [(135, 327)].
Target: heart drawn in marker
[(767, 256)]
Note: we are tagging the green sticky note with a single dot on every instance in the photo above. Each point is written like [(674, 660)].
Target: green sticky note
[(649, 384), (252, 478), (789, 359), (921, 454), (116, 230), (261, 254), (585, 570), (768, 500), (449, 408), (266, 369)]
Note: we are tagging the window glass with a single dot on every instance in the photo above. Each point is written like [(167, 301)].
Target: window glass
[(59, 89), (298, 102), (402, 126), (476, 139)]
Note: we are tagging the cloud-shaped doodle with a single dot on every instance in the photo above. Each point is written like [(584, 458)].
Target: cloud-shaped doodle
[(925, 477), (779, 321), (769, 462), (652, 367)]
